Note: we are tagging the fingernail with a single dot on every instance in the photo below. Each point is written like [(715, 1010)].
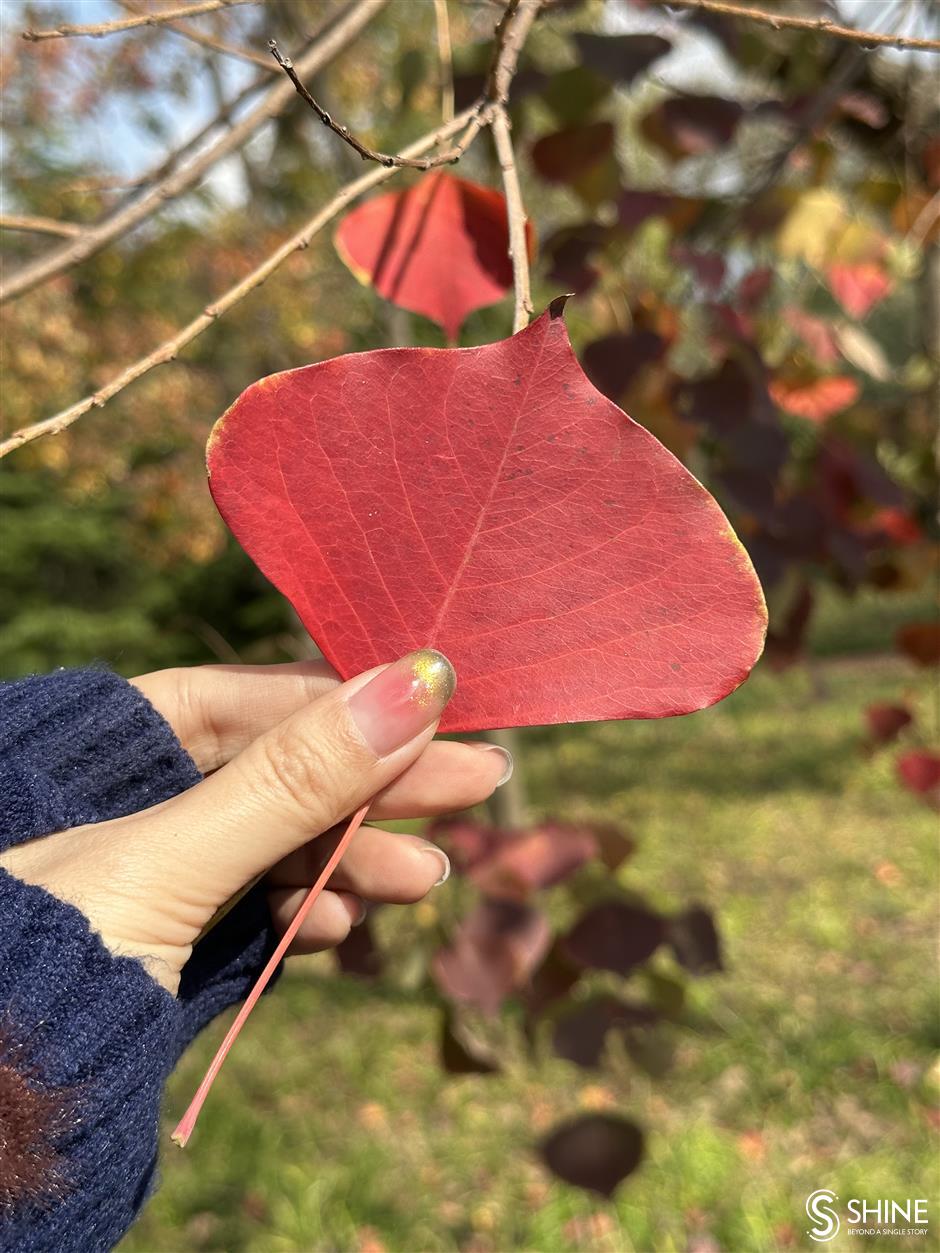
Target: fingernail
[(405, 698), (363, 914), (441, 858), (508, 763)]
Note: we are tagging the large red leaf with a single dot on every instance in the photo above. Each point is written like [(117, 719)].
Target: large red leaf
[(491, 503), (440, 248)]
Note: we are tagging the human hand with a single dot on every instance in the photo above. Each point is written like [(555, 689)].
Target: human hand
[(289, 753)]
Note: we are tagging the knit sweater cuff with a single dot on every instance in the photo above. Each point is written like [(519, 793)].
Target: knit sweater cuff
[(81, 746), (87, 1040)]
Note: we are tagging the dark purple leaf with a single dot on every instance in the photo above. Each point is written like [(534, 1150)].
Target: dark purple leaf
[(694, 940), (615, 936), (554, 979), (594, 1151), (691, 126), (569, 253), (621, 58), (612, 363), (565, 155), (636, 207), (580, 1035)]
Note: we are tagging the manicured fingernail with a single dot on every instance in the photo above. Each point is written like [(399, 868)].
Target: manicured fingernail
[(363, 914), (442, 860), (508, 763), (405, 698)]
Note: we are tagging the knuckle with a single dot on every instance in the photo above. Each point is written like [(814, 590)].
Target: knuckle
[(297, 767), (316, 767)]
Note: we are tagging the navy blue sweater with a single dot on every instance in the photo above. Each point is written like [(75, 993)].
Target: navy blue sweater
[(88, 1039)]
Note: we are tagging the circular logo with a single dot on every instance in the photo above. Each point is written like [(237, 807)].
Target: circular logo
[(819, 1209)]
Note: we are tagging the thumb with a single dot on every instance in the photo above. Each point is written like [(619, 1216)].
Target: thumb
[(296, 781)]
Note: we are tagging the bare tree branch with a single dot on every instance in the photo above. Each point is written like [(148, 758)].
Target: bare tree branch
[(227, 111), (131, 23), (155, 196), (822, 25), (445, 59), (512, 32), (509, 36), (40, 226), (518, 244), (168, 350), (197, 36), (449, 157)]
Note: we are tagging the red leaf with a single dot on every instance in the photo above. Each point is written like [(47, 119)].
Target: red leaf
[(897, 526), (885, 722), (816, 400), (540, 858), (920, 641), (919, 771), (858, 288), (490, 503), (440, 248), (495, 950), (594, 1151)]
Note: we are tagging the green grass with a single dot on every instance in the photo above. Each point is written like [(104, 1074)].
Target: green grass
[(811, 1063)]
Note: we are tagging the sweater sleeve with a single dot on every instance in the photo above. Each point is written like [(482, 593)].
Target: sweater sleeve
[(86, 1043), (81, 746), (87, 1039)]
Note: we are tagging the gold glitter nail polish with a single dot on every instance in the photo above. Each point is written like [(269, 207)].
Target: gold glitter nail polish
[(403, 700), (435, 676)]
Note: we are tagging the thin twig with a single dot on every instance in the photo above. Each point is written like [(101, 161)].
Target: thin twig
[(518, 244), (450, 157), (40, 226), (178, 180), (100, 29), (516, 22), (169, 349), (174, 159), (822, 25), (509, 36), (197, 36), (445, 59)]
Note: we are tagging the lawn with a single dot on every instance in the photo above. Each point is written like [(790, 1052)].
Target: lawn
[(811, 1063)]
